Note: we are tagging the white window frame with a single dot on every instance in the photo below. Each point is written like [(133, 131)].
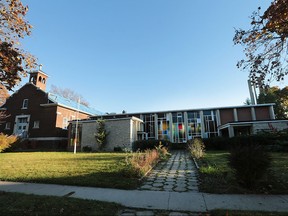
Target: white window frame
[(65, 123), (25, 104), (36, 124), (8, 126)]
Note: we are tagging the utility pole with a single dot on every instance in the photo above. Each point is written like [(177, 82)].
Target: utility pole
[(76, 129)]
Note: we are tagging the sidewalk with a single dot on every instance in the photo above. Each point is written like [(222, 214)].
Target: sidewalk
[(162, 200)]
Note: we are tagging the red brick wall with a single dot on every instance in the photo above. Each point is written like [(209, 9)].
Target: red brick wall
[(69, 114)]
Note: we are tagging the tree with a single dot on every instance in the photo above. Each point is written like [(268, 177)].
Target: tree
[(14, 61), (247, 101), (4, 94), (279, 97), (68, 93), (265, 44), (101, 134)]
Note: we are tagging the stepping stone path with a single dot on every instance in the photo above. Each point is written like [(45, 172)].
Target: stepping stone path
[(178, 174)]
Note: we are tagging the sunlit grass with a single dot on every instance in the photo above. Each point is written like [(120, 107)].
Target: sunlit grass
[(86, 169)]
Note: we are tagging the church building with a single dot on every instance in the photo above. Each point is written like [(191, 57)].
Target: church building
[(39, 117)]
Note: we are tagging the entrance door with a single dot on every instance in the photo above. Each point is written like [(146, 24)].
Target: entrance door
[(22, 126)]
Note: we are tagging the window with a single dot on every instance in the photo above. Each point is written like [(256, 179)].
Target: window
[(65, 123), (25, 104), (8, 126), (36, 124)]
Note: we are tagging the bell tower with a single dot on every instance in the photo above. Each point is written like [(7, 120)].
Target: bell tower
[(39, 78)]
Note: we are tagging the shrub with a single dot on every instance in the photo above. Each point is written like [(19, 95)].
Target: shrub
[(138, 164), (87, 149), (249, 162), (163, 152), (141, 145), (6, 141), (117, 149), (196, 148)]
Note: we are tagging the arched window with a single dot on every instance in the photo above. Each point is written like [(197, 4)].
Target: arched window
[(40, 79), (43, 80)]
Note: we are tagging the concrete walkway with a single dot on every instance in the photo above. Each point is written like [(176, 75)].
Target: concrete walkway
[(171, 186), (163, 200)]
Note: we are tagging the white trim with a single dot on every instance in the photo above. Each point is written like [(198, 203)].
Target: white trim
[(16, 120), (187, 110), (70, 108), (48, 138), (247, 123), (23, 103)]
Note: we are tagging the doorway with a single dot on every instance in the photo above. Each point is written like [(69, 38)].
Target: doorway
[(21, 126)]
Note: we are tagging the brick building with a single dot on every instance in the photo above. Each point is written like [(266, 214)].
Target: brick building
[(39, 116)]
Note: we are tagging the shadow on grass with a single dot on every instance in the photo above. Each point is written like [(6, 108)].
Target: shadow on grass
[(99, 179)]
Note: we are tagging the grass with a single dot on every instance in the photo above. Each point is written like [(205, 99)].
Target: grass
[(217, 177), (82, 169), (21, 204)]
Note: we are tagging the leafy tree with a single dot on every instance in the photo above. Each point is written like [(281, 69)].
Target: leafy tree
[(265, 44), (14, 61), (101, 134), (4, 94), (279, 97), (247, 101), (68, 93)]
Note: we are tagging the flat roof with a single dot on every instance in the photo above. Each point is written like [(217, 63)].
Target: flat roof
[(185, 110)]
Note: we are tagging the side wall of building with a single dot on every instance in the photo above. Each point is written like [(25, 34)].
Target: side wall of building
[(269, 126), (120, 133)]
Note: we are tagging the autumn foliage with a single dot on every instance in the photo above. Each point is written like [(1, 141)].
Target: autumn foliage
[(6, 141), (265, 44), (14, 61)]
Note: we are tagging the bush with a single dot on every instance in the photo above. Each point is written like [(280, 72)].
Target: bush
[(139, 163), (118, 149), (142, 145), (163, 152), (271, 141), (249, 162), (87, 149), (6, 141), (196, 148)]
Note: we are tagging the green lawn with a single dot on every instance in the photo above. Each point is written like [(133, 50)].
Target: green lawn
[(83, 169), (217, 177), (21, 204)]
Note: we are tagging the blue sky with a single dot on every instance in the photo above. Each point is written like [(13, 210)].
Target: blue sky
[(143, 55)]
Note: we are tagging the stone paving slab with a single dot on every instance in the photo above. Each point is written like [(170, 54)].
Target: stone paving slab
[(179, 173)]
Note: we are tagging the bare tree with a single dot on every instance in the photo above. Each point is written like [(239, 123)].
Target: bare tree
[(68, 93)]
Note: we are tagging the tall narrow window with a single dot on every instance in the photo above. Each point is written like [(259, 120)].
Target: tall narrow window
[(25, 104), (65, 123), (36, 124)]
